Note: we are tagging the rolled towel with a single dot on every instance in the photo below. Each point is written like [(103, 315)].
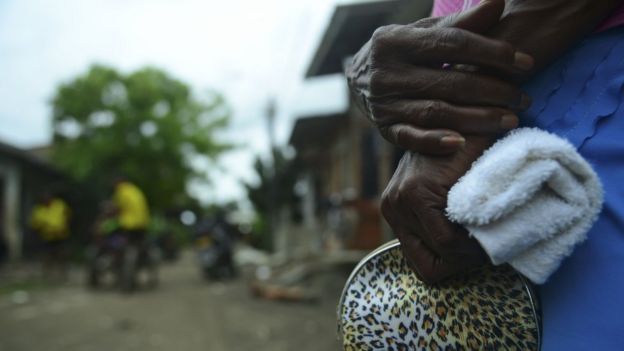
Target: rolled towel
[(528, 200)]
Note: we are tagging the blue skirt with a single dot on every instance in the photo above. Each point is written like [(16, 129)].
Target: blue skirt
[(581, 97)]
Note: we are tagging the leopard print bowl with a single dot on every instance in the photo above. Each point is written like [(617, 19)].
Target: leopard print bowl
[(384, 306)]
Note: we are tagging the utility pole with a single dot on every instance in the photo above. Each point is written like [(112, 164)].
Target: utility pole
[(272, 194)]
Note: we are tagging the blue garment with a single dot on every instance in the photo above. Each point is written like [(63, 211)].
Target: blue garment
[(581, 97)]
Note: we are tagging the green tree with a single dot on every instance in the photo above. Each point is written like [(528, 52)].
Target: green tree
[(145, 125)]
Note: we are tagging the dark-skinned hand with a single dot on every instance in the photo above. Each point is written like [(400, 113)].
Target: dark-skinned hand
[(415, 199), (411, 97), (414, 205), (416, 80), (416, 106)]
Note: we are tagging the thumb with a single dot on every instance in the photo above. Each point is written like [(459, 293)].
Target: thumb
[(477, 19)]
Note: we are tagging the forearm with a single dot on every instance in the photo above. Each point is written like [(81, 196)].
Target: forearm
[(547, 28)]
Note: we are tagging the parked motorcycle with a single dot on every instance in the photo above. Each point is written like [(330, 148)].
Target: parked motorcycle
[(213, 242)]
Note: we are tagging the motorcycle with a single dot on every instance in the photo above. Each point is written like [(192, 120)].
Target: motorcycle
[(122, 258), (215, 262)]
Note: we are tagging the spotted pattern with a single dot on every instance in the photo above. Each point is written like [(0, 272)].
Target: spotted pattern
[(386, 307)]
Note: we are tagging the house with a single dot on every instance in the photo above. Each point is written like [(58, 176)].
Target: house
[(345, 163), (23, 177)]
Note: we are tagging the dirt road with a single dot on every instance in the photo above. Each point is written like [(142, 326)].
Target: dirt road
[(183, 314)]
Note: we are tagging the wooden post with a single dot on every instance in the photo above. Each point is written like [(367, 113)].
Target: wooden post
[(11, 215)]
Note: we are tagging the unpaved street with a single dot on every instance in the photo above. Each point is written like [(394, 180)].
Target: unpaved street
[(183, 314)]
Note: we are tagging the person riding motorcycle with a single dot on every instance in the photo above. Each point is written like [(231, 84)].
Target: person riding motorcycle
[(133, 219), (120, 236), (132, 210)]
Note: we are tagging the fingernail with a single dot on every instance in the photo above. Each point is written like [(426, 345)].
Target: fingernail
[(523, 61), (452, 141), (509, 122)]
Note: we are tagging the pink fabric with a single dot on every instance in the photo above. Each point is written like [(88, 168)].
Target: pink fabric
[(616, 19), (447, 7)]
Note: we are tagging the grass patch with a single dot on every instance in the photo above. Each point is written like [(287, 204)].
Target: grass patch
[(27, 285)]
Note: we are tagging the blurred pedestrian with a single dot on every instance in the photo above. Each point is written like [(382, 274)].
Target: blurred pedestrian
[(50, 220), (133, 219), (132, 210)]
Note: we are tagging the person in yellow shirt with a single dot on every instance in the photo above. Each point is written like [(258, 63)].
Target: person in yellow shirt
[(50, 220), (132, 209), (133, 219)]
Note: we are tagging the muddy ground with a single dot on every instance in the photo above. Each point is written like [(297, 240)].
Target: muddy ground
[(184, 313)]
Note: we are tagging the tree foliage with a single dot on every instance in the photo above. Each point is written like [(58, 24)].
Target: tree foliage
[(145, 125), (274, 191), (283, 169)]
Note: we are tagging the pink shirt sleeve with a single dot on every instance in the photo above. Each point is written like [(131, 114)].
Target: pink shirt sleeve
[(447, 7), (615, 20)]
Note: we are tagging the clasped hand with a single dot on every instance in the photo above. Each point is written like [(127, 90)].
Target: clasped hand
[(440, 90)]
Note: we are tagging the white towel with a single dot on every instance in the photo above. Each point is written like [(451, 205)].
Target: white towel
[(528, 200)]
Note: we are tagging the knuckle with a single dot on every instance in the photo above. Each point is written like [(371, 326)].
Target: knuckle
[(389, 197), (426, 22), (377, 82), (428, 137), (382, 39), (402, 135), (387, 204), (504, 52), (452, 38), (457, 82), (454, 83), (384, 130), (379, 113), (384, 34), (429, 113), (389, 133), (379, 35)]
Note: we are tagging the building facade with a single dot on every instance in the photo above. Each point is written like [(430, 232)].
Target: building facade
[(23, 178), (345, 163)]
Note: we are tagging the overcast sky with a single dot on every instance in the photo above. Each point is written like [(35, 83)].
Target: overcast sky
[(249, 50)]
